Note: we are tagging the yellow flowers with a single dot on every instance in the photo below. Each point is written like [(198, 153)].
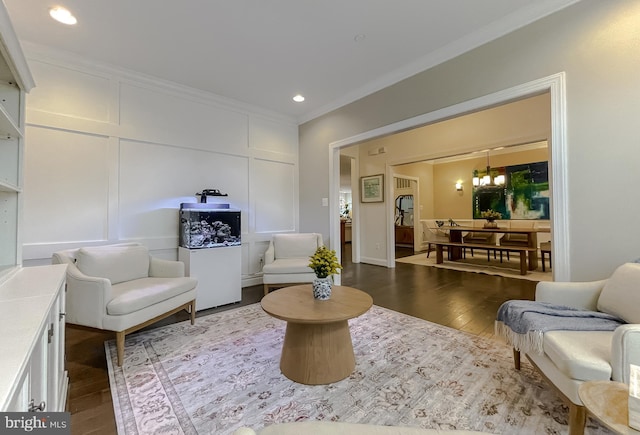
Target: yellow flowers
[(324, 262), (491, 214)]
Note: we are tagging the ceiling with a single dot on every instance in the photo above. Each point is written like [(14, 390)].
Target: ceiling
[(263, 52)]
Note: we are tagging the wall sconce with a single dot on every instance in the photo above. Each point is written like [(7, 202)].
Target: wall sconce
[(459, 185)]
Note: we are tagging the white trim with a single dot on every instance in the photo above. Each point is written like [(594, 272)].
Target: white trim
[(556, 85), (334, 208), (355, 209)]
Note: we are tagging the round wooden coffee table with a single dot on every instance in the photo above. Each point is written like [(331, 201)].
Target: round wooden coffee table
[(608, 402), (317, 345)]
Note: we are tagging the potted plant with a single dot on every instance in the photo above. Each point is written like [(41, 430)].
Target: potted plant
[(491, 216), (324, 263)]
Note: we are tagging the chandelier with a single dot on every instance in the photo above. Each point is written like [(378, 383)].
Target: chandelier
[(487, 180)]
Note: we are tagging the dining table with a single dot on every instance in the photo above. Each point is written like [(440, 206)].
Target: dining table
[(456, 232)]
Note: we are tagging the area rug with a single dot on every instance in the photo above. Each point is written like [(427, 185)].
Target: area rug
[(479, 264), (223, 373)]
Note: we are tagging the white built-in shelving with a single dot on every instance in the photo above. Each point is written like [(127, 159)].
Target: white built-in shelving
[(15, 81), (32, 300)]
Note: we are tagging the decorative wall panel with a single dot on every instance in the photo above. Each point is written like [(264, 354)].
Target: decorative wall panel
[(155, 179), (268, 135), (66, 186), (166, 118), (272, 187), (69, 92)]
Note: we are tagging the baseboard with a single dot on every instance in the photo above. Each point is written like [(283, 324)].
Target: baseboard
[(374, 261)]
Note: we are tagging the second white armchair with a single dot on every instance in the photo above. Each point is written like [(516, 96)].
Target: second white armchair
[(286, 261)]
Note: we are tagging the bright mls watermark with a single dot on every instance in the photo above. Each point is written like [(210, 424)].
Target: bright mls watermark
[(41, 423)]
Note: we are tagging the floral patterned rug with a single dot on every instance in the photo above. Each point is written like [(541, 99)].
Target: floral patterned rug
[(223, 373)]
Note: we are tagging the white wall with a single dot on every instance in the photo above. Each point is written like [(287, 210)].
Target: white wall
[(595, 44), (110, 156)]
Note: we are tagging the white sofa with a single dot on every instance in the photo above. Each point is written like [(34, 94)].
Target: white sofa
[(286, 261), (573, 357), (338, 428), (122, 288)]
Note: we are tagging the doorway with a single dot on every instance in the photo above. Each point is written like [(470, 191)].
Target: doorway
[(555, 86), (406, 215)]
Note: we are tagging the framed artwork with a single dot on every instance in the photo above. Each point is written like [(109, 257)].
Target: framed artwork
[(372, 188), (525, 194)]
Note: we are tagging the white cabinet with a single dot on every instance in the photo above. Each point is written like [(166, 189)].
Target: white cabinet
[(32, 322), (219, 274)]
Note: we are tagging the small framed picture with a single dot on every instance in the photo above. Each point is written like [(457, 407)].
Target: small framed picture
[(372, 188)]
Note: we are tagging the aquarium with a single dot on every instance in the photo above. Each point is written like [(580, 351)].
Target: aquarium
[(208, 225)]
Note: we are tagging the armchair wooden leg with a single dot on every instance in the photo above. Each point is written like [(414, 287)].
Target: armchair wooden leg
[(577, 419), (192, 310), (120, 346), (266, 289), (516, 359)]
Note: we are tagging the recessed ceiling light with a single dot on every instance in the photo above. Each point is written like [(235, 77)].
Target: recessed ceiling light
[(62, 15), (298, 98)]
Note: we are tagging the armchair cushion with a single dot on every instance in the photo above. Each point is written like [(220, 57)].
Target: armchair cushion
[(132, 296), (288, 265), (567, 351), (620, 296), (116, 263), (295, 245)]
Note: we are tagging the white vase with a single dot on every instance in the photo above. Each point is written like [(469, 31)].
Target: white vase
[(491, 224), (322, 288)]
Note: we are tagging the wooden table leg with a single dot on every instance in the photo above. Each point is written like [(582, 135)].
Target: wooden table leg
[(315, 354), (533, 254), (439, 254), (455, 252), (523, 262)]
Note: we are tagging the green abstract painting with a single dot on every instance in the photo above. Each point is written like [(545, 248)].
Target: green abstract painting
[(525, 194)]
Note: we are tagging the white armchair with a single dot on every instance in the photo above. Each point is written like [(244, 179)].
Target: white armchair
[(122, 288), (286, 261), (432, 233), (573, 357)]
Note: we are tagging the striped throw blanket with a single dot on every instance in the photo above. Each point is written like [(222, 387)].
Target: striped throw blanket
[(523, 323)]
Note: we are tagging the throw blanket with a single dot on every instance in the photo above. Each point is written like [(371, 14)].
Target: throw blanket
[(523, 323)]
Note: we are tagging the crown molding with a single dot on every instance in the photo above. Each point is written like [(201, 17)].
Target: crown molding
[(535, 11), (65, 59)]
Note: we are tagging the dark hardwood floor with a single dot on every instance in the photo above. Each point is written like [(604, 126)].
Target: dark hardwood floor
[(460, 300)]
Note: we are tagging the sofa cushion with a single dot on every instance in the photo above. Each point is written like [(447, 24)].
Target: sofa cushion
[(295, 245), (131, 296), (288, 265), (582, 355), (620, 295), (116, 263)]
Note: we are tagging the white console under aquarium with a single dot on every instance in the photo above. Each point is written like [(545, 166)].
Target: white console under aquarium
[(211, 251)]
